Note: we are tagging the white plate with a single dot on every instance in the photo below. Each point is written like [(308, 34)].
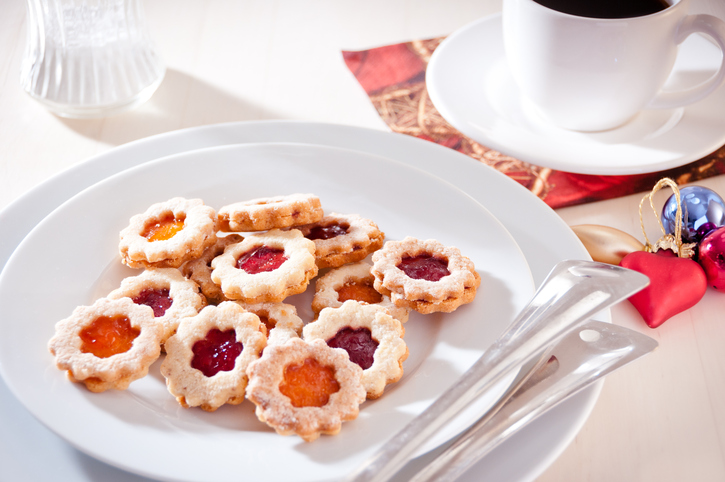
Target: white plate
[(144, 430), (30, 452), (471, 86)]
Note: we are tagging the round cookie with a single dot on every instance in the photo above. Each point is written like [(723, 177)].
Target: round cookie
[(207, 358), (425, 276), (343, 238), (265, 267), (168, 234), (262, 214), (108, 344), (286, 402)]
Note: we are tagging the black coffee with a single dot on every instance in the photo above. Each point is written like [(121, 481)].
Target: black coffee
[(606, 8)]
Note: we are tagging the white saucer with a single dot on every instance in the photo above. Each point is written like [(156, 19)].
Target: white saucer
[(469, 82)]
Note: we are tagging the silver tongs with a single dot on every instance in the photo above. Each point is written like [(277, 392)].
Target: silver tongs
[(584, 356), (572, 293)]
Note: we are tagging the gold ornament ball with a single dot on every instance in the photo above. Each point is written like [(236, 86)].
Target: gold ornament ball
[(605, 244)]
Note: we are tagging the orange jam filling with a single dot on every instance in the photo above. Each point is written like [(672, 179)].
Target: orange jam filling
[(309, 384), (358, 291), (108, 336), (163, 229)]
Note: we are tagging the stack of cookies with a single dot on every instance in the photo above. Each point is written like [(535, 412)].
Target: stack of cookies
[(212, 297)]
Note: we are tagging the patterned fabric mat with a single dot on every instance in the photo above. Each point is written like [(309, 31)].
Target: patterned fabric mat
[(394, 78)]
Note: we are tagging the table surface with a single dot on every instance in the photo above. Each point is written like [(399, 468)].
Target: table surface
[(660, 419)]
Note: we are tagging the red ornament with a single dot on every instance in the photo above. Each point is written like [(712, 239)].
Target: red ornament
[(676, 284), (711, 256)]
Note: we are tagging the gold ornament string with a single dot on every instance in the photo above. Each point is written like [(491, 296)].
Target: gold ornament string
[(672, 242)]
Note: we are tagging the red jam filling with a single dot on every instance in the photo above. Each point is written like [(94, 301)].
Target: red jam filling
[(217, 352), (159, 300), (108, 335), (327, 232), (358, 291), (261, 260), (309, 384), (359, 345), (163, 229), (425, 267)]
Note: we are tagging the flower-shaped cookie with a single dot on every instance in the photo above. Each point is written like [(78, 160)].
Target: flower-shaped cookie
[(207, 358), (167, 292), (352, 282), (280, 319), (199, 270), (168, 234), (262, 214), (266, 267), (108, 344), (304, 388), (343, 238), (371, 337), (425, 276)]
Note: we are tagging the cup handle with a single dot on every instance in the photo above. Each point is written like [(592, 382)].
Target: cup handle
[(713, 27)]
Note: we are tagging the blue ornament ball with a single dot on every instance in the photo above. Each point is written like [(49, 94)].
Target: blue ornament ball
[(700, 206)]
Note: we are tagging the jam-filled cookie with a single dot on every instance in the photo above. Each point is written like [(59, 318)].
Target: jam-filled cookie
[(199, 270), (266, 213), (352, 282), (343, 238), (280, 319), (207, 358), (167, 292), (168, 234), (266, 267), (425, 276), (108, 344), (371, 337), (304, 388)]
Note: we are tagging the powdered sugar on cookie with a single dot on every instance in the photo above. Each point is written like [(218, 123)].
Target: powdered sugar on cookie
[(262, 214), (266, 267), (425, 276), (168, 234), (108, 344), (206, 360), (289, 404)]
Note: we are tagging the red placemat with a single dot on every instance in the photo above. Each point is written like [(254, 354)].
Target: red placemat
[(394, 79)]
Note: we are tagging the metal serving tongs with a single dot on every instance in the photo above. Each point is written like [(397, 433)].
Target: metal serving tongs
[(584, 356), (572, 293)]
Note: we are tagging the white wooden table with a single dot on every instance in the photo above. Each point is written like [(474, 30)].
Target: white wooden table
[(661, 419)]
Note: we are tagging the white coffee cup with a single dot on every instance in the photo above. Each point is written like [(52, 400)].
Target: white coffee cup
[(593, 74)]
